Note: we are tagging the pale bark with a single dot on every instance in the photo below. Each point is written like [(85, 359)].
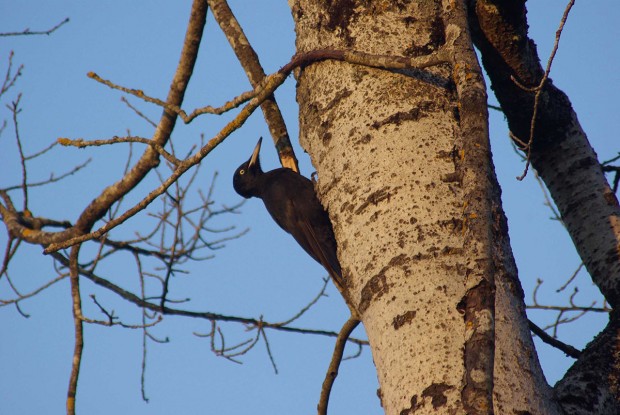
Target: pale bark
[(564, 159), (405, 172), (255, 73), (560, 152)]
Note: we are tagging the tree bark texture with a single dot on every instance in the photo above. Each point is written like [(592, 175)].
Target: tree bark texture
[(560, 152), (405, 173), (568, 165)]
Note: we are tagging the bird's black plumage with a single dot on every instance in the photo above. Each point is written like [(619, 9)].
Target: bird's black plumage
[(291, 201)]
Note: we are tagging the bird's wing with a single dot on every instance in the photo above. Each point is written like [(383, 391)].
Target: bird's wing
[(291, 201), (316, 236)]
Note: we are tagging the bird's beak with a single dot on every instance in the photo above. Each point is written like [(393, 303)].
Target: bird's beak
[(254, 157)]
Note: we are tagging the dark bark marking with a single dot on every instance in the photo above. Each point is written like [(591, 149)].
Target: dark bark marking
[(450, 250), (340, 95), (455, 177), (455, 224), (478, 300), (402, 319), (374, 288), (414, 406), (365, 139), (413, 114), (377, 286), (340, 14), (436, 393), (437, 38), (374, 198)]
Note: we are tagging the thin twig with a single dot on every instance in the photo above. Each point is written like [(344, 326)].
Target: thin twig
[(41, 152), (78, 327), (230, 105), (9, 78), (309, 305), (52, 178), (565, 309), (9, 252), (332, 371), (138, 112), (34, 292), (113, 320), (538, 89), (144, 331), (197, 314), (566, 348), (27, 31), (269, 354), (572, 277), (16, 110), (81, 143)]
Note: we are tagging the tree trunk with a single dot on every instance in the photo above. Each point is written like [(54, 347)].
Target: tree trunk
[(568, 165), (405, 173)]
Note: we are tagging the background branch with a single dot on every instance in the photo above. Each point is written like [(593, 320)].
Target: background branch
[(332, 370), (27, 32)]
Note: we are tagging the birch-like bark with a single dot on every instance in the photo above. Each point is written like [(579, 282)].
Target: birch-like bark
[(561, 152), (405, 172), (564, 159)]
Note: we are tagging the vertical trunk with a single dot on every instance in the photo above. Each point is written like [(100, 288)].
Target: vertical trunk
[(568, 165), (405, 172), (560, 152)]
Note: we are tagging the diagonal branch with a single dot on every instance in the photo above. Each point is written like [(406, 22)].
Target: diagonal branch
[(150, 158), (79, 329), (550, 340), (39, 32), (332, 371), (141, 302), (96, 210), (538, 89), (255, 73)]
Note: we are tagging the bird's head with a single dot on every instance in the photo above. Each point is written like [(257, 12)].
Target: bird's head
[(246, 177)]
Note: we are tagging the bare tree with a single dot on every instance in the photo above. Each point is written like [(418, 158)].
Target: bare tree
[(393, 112)]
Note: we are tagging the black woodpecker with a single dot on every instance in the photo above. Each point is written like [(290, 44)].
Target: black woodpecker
[(291, 201)]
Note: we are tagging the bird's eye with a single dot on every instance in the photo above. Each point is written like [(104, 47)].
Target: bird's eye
[(242, 172)]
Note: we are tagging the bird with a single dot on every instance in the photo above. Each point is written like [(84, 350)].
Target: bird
[(292, 202)]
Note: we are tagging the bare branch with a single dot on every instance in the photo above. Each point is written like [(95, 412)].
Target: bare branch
[(81, 143), (608, 168), (538, 89), (139, 113), (22, 297), (113, 320), (14, 107), (10, 78), (52, 178), (197, 314), (272, 83), (27, 31), (78, 327), (271, 359), (255, 73), (309, 305), (566, 348), (149, 160), (41, 152), (9, 252), (332, 371)]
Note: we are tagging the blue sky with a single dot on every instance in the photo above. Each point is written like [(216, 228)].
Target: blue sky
[(136, 44)]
